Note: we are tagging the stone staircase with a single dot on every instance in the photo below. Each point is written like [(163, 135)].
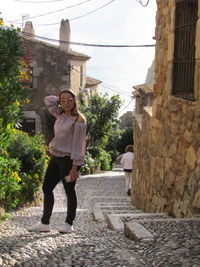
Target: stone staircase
[(120, 215)]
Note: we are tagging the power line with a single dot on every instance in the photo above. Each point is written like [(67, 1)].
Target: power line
[(122, 93), (36, 52), (55, 11), (144, 5), (114, 87), (38, 2), (93, 10), (125, 106), (85, 44), (104, 85), (81, 16)]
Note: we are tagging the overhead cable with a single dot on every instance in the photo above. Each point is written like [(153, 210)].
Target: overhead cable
[(38, 2), (81, 16), (125, 107), (92, 11), (104, 85), (52, 12), (85, 44), (122, 93), (144, 5), (55, 11), (36, 52), (114, 87)]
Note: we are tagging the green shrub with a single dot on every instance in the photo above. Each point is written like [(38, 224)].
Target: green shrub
[(31, 154), (89, 164), (9, 182), (101, 158), (105, 161)]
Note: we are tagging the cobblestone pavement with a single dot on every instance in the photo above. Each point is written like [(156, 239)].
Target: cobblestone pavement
[(93, 243)]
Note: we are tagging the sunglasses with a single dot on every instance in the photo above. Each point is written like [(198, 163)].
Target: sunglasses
[(67, 100)]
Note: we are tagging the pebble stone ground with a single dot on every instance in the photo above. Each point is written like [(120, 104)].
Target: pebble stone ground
[(93, 243)]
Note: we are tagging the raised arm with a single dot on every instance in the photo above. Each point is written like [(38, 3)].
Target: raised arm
[(51, 103)]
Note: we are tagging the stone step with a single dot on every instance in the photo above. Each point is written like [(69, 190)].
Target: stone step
[(99, 209), (111, 200), (136, 231), (99, 213), (116, 222)]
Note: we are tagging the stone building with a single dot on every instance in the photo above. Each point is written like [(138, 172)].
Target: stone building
[(166, 175), (143, 95), (91, 88), (92, 85), (50, 69)]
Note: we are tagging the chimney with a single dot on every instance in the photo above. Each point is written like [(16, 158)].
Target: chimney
[(64, 35), (28, 30)]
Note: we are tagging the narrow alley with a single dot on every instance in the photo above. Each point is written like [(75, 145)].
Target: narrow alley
[(175, 242)]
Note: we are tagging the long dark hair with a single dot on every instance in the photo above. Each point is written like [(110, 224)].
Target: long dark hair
[(74, 110)]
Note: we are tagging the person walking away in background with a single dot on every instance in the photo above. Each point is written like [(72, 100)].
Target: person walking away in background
[(127, 163), (67, 150)]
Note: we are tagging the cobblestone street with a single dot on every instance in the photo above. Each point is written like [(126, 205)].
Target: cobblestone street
[(93, 243)]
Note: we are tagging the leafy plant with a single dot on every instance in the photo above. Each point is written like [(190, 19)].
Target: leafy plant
[(101, 114), (9, 182), (11, 91), (30, 154), (89, 164), (22, 158)]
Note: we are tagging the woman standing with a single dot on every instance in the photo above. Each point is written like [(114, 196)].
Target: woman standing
[(127, 162), (67, 149)]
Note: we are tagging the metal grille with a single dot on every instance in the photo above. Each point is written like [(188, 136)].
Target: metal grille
[(184, 49)]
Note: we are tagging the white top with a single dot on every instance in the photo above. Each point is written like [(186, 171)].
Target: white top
[(69, 135), (127, 160)]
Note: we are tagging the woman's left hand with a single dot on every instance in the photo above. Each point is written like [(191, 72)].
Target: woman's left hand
[(73, 173)]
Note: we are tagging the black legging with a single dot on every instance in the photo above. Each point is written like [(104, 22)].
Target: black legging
[(58, 168)]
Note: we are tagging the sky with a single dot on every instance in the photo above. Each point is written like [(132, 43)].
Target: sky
[(115, 22)]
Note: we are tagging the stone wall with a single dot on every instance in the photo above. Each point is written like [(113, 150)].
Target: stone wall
[(166, 173)]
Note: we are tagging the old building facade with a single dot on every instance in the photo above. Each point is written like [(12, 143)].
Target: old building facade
[(166, 175), (51, 69)]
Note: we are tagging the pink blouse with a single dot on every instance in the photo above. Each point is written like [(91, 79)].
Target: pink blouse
[(69, 136)]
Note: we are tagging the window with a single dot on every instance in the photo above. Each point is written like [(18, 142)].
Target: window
[(28, 125), (184, 49)]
